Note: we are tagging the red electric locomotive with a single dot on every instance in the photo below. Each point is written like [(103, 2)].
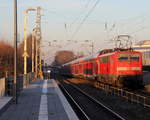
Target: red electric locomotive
[(122, 68)]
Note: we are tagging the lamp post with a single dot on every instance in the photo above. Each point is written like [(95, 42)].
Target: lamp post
[(25, 54), (15, 53)]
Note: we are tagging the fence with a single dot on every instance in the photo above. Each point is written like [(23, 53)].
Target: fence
[(9, 85), (130, 96), (27, 79), (22, 82)]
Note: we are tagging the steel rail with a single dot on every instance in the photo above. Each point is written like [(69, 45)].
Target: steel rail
[(99, 103), (82, 113)]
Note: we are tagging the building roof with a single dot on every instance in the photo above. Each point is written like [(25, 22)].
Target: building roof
[(143, 43)]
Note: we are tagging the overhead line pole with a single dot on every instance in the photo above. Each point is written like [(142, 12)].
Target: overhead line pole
[(38, 42), (33, 50), (92, 47)]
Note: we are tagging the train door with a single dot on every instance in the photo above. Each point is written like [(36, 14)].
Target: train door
[(76, 70), (81, 69), (72, 68), (107, 69), (111, 64), (111, 69), (95, 68), (91, 68), (108, 65), (88, 68), (84, 67)]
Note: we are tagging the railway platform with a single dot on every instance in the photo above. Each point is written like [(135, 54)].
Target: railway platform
[(42, 100), (4, 103)]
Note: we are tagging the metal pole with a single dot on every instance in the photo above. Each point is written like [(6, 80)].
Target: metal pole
[(92, 47), (15, 53), (38, 40), (25, 54)]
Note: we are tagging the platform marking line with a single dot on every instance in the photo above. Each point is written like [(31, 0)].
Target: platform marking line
[(68, 109), (43, 112)]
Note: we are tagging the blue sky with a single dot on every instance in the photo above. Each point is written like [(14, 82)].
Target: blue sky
[(128, 17)]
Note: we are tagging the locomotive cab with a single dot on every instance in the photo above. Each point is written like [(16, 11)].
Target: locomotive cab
[(129, 69)]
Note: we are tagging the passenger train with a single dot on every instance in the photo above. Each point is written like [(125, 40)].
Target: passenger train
[(116, 67)]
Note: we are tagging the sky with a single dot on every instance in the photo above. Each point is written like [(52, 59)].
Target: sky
[(62, 20)]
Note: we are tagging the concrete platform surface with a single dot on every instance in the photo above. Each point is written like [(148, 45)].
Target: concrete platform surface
[(42, 100), (4, 103)]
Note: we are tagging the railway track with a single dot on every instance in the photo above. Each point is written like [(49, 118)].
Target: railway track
[(136, 96), (86, 107)]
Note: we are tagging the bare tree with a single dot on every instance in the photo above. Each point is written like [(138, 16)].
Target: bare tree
[(63, 57), (6, 59)]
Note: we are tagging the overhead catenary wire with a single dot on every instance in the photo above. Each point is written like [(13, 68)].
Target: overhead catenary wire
[(135, 21), (138, 21), (87, 4), (79, 17), (136, 31), (84, 19), (141, 29), (133, 18), (83, 11)]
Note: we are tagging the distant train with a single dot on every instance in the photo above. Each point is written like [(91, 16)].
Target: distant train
[(121, 68)]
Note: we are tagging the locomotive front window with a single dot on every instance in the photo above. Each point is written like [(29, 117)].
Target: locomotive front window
[(123, 57), (134, 57), (126, 57)]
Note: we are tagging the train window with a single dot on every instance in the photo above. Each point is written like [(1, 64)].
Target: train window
[(134, 57), (126, 57), (123, 57)]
